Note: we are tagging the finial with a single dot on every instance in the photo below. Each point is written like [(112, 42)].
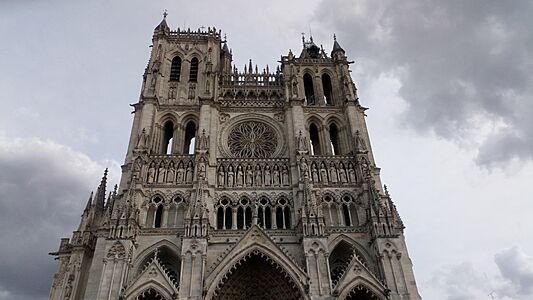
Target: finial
[(386, 190), (303, 38), (165, 14), (334, 37)]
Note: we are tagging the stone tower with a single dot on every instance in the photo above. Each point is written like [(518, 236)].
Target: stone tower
[(252, 184)]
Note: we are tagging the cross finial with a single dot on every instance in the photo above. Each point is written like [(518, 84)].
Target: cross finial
[(165, 14)]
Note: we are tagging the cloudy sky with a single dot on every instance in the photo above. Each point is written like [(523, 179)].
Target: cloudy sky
[(449, 85)]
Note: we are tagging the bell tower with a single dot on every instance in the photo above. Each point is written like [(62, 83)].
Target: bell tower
[(241, 184)]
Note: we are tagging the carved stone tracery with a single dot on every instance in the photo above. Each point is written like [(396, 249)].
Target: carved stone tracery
[(252, 139)]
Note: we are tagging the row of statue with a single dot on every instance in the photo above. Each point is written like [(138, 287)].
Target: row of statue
[(253, 175), (163, 173), (335, 173)]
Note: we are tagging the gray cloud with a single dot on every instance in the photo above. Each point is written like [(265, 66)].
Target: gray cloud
[(43, 188), (465, 281), (465, 66), (517, 269)]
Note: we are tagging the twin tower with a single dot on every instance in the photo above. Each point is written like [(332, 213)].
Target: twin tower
[(253, 184)]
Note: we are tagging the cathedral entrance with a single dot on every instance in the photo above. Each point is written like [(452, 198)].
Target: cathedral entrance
[(256, 278)]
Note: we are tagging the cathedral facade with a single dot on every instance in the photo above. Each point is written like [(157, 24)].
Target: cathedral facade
[(251, 184)]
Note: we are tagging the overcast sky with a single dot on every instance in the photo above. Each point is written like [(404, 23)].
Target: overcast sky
[(449, 85)]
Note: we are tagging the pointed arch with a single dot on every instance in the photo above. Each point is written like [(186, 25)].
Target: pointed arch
[(134, 292), (255, 242), (141, 257), (361, 288)]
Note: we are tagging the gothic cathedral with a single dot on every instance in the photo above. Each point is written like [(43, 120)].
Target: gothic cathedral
[(241, 185)]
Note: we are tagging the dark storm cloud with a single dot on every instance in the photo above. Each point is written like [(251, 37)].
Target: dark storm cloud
[(465, 66), (43, 188)]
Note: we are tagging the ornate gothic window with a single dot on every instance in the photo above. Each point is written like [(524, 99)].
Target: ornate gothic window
[(252, 139)]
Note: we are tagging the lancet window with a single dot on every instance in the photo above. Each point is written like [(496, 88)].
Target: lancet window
[(340, 213), (314, 140), (168, 137), (309, 89), (160, 214), (190, 138), (193, 74), (175, 69), (334, 139), (328, 89)]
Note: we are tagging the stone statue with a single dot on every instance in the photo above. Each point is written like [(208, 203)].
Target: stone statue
[(201, 168), (249, 175), (258, 176), (351, 173), (304, 168), (151, 173), (240, 176), (203, 141), (342, 174), (333, 176), (360, 146), (180, 173), (230, 176), (314, 175), (275, 174), (267, 176), (323, 174), (300, 141), (170, 172), (161, 173), (285, 176), (142, 139), (137, 168), (189, 173), (221, 176)]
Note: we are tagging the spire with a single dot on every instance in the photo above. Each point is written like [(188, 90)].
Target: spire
[(250, 69), (336, 46), (100, 192), (163, 25), (89, 203)]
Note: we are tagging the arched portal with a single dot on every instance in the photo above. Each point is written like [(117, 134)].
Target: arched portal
[(361, 293), (258, 278)]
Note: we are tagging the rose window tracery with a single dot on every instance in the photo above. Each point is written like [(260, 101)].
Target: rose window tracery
[(252, 139)]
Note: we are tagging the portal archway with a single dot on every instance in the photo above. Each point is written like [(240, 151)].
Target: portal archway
[(257, 277)]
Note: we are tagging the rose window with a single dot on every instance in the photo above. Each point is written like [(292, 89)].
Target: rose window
[(252, 140)]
